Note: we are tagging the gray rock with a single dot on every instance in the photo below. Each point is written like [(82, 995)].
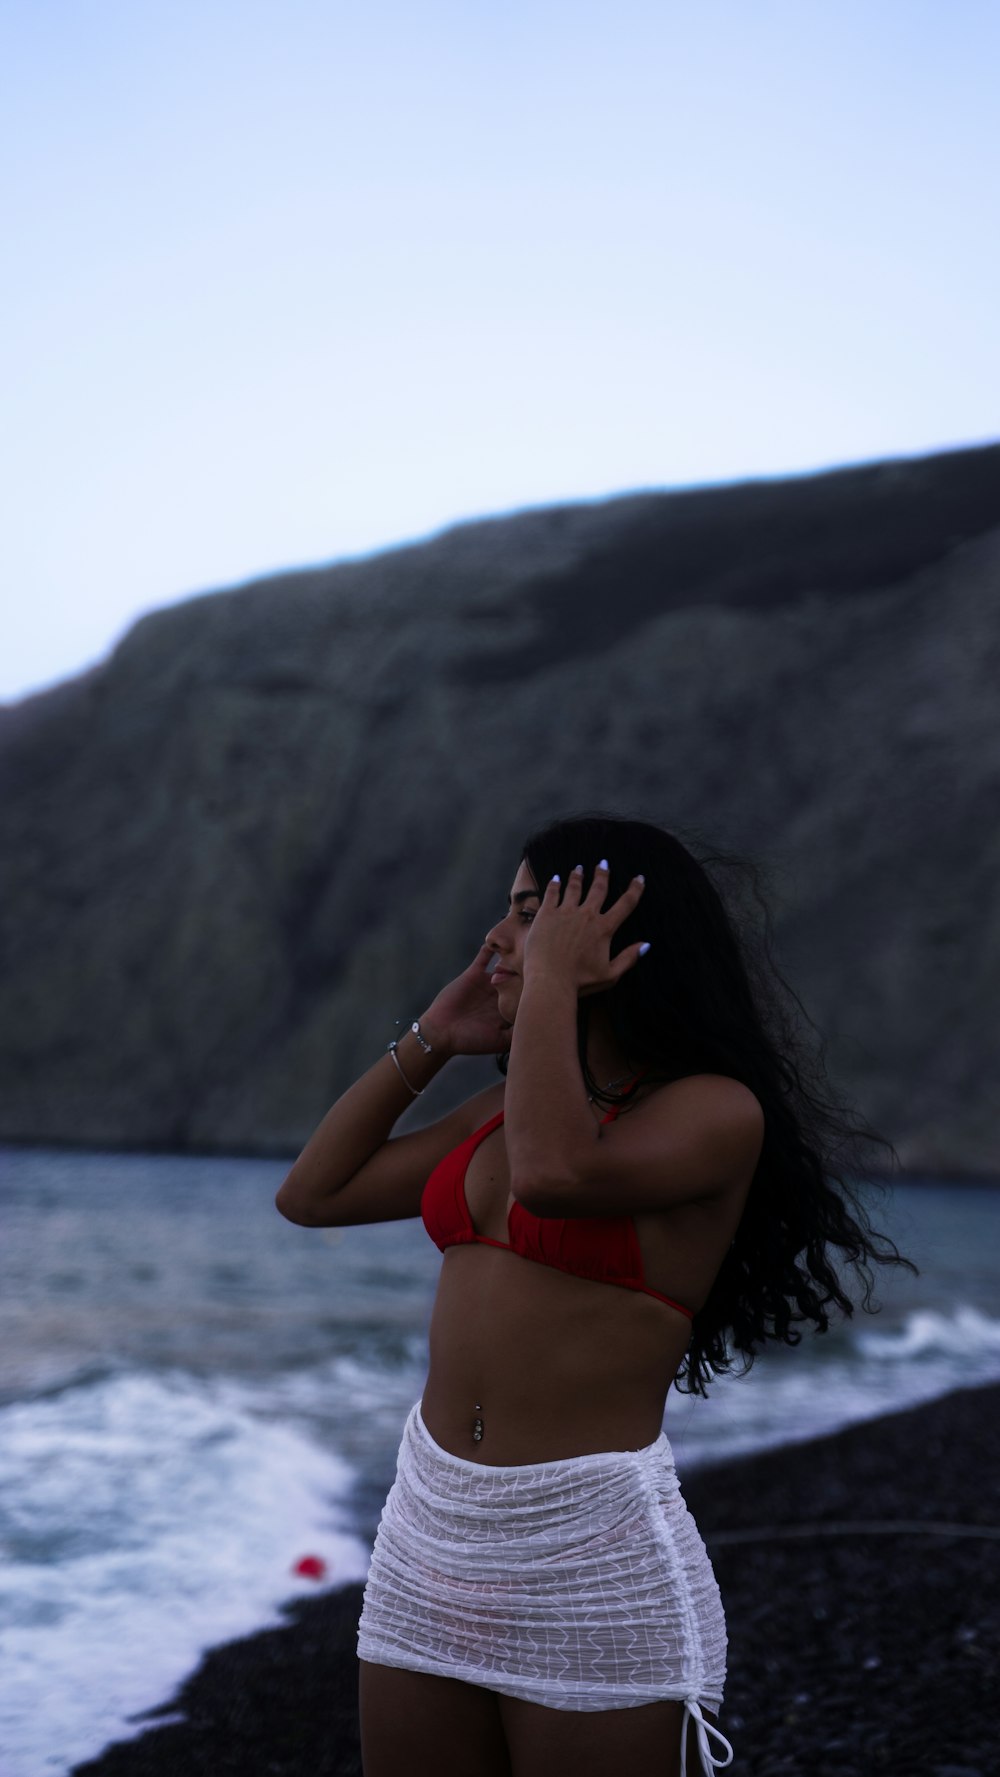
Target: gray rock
[(279, 817)]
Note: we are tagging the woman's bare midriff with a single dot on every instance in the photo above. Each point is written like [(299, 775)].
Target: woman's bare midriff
[(553, 1365)]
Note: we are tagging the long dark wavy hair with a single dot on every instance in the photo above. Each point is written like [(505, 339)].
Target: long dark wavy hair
[(709, 998)]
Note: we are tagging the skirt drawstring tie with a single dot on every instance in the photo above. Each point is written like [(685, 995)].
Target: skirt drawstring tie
[(692, 1712)]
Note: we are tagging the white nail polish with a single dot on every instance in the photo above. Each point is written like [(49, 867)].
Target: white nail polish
[(643, 949), (603, 864)]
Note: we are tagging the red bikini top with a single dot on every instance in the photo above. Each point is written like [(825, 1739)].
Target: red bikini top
[(603, 1248)]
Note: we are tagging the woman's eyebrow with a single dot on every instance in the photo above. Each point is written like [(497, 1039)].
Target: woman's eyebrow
[(523, 895)]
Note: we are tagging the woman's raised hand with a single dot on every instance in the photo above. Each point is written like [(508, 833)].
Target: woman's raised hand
[(463, 1018), (571, 933)]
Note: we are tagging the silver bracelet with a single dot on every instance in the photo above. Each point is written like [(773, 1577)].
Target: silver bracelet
[(415, 1028), (416, 1090)]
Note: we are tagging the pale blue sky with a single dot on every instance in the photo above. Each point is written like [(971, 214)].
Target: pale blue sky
[(286, 282)]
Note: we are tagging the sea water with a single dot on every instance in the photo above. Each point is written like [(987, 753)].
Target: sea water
[(195, 1395)]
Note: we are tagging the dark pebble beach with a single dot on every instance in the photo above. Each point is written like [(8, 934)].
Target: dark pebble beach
[(861, 1579)]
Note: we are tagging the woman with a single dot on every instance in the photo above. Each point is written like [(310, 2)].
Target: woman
[(645, 1192)]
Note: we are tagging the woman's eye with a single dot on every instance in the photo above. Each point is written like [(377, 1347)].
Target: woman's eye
[(524, 914)]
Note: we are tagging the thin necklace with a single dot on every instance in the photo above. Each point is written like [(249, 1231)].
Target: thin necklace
[(611, 1085)]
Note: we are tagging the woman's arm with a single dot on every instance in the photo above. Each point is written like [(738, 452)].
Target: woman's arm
[(358, 1124), (461, 1020), (547, 1124), (693, 1139)]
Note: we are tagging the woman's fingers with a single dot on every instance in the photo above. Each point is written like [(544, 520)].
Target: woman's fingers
[(598, 891), (626, 902), (626, 959), (556, 894)]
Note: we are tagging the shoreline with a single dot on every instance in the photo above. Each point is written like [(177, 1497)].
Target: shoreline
[(920, 1176), (862, 1595)]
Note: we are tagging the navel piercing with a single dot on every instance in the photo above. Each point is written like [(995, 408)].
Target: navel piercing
[(477, 1426)]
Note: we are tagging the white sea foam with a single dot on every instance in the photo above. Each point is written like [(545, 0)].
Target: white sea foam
[(352, 1404), (149, 1518), (966, 1334), (820, 1387)]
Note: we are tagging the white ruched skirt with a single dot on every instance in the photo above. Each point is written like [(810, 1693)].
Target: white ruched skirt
[(580, 1584)]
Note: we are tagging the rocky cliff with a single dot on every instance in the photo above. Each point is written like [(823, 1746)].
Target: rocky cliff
[(278, 817)]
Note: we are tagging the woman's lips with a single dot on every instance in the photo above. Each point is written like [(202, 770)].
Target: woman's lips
[(502, 975)]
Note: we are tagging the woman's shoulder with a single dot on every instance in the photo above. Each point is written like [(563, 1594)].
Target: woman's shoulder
[(710, 1095)]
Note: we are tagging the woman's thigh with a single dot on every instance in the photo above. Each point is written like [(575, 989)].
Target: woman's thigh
[(414, 1724), (595, 1743)]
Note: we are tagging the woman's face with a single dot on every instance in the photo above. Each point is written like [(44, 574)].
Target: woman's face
[(507, 939)]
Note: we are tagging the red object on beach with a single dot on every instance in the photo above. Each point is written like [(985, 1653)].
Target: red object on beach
[(311, 1567)]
